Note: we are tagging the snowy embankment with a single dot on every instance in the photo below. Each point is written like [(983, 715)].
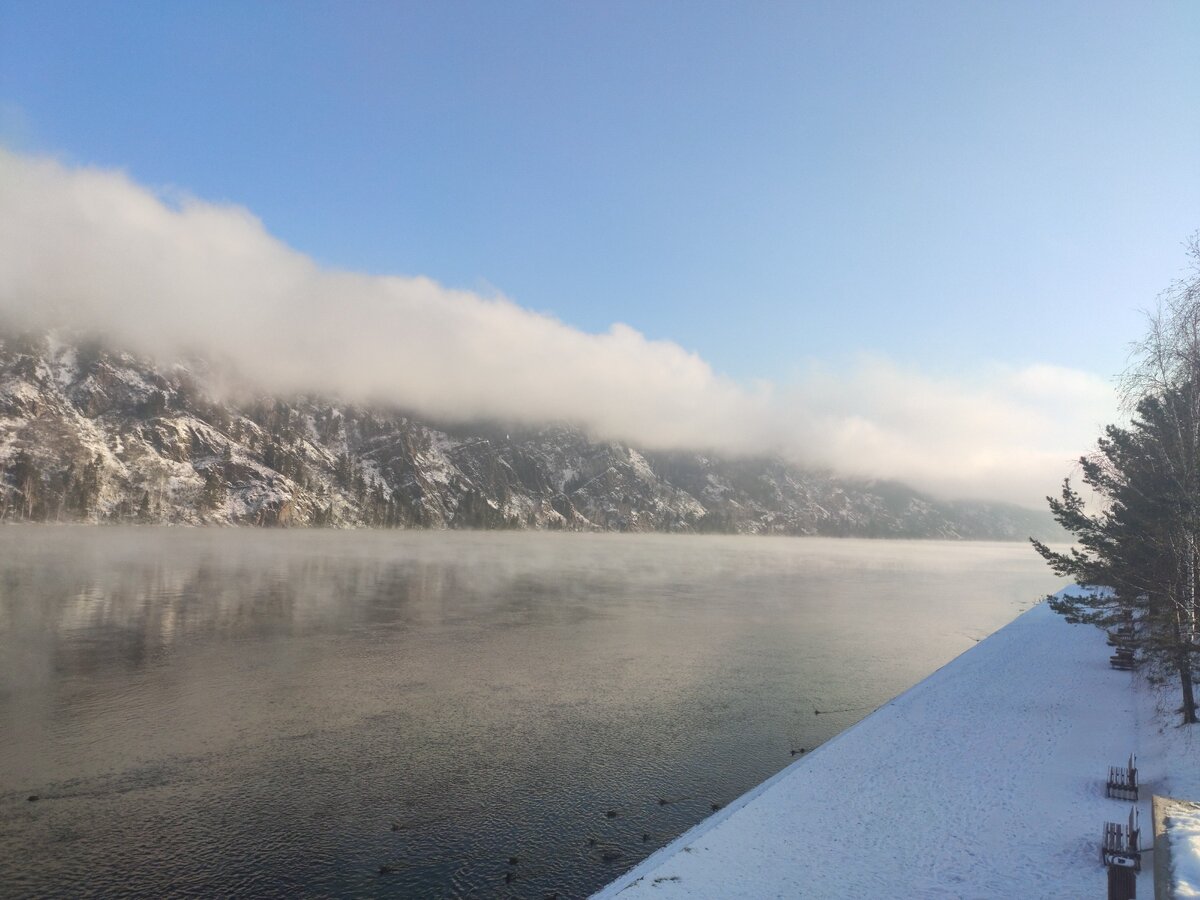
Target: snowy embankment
[(1183, 846), (984, 780)]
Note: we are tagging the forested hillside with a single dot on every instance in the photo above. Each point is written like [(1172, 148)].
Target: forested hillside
[(96, 435)]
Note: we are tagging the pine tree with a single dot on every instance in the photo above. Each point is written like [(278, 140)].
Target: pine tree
[(1143, 542), (213, 494), (1140, 545), (89, 486), (25, 477)]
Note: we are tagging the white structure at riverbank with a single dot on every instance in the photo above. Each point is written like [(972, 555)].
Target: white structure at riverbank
[(984, 780)]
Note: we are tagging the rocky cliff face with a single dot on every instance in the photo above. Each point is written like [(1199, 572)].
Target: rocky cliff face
[(88, 434)]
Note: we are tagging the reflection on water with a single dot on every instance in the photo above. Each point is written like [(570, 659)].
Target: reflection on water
[(206, 713)]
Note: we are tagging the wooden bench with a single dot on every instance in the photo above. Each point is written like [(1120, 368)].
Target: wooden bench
[(1122, 659), (1123, 781), (1120, 846)]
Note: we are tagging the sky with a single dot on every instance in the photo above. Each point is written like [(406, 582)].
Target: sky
[(908, 240)]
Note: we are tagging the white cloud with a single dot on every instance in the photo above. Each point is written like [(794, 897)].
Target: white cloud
[(97, 249), (1005, 432)]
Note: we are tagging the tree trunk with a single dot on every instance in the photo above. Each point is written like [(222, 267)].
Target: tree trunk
[(1185, 680), (1183, 662)]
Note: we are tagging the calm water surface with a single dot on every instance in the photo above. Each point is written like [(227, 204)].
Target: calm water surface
[(222, 713)]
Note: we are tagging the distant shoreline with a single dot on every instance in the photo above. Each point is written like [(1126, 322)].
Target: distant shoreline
[(352, 529)]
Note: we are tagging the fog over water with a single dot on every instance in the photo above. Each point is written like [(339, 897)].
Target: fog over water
[(208, 713)]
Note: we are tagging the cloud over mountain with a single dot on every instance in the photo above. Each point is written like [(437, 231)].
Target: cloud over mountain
[(166, 275)]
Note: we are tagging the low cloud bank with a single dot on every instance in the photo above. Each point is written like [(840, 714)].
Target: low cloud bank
[(93, 248)]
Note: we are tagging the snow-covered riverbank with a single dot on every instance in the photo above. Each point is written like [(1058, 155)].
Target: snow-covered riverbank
[(984, 780)]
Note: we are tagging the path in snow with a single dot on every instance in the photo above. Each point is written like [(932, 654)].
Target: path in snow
[(984, 780)]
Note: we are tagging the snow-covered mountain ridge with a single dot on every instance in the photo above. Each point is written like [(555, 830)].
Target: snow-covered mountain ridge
[(88, 434)]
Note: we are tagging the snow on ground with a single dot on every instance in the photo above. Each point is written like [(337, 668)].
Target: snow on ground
[(1172, 764), (1183, 833), (984, 780)]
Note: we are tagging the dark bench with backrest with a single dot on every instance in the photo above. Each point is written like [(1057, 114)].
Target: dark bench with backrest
[(1123, 781), (1122, 638), (1122, 659), (1120, 854), (1120, 847)]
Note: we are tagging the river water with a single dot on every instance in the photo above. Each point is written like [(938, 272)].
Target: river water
[(420, 714)]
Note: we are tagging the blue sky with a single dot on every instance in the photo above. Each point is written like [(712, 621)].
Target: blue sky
[(763, 183), (776, 187)]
